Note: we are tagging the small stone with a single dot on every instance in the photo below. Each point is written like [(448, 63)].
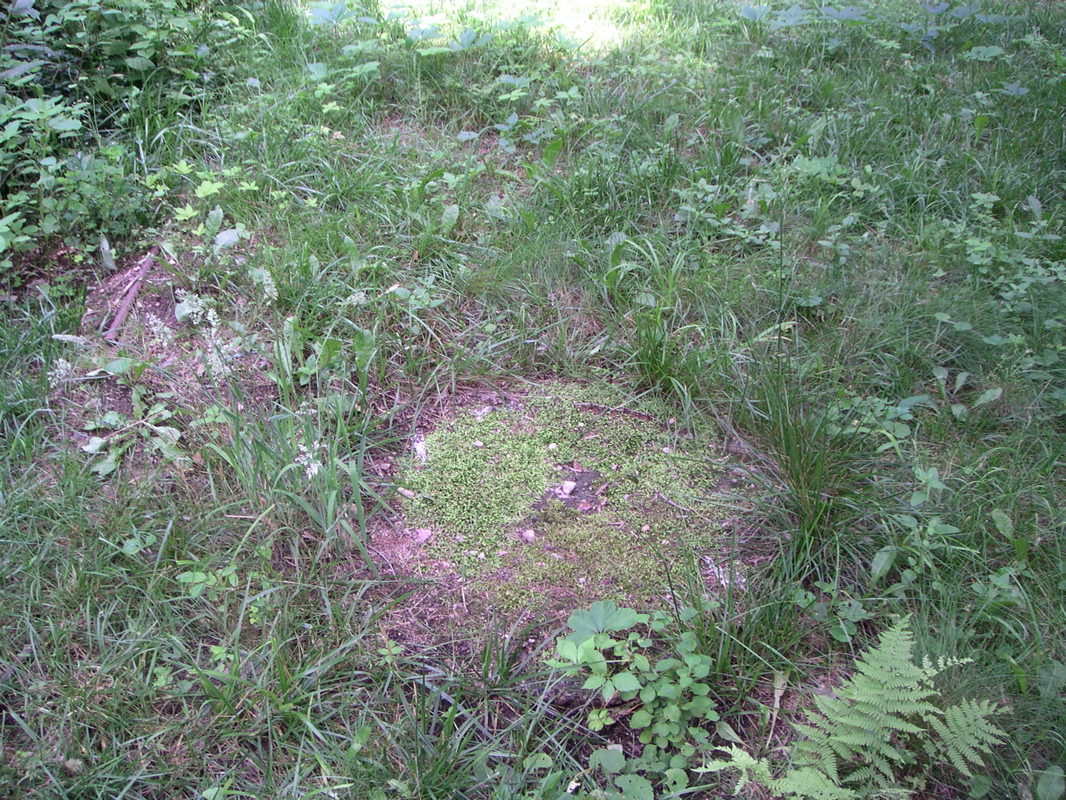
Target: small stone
[(423, 535), (478, 444), (527, 535), (553, 446), (406, 493), (567, 488)]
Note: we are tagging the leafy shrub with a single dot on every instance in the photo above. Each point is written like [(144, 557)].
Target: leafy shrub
[(72, 69)]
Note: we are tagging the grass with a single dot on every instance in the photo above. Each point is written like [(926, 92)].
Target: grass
[(831, 251)]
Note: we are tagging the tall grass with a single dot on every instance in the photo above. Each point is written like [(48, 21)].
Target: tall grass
[(836, 242)]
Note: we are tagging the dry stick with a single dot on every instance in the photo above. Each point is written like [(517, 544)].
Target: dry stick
[(131, 294)]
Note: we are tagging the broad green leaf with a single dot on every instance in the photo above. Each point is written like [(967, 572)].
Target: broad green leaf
[(882, 562), (676, 779), (1051, 785), (64, 124), (448, 218), (537, 761), (596, 682), (602, 616), (109, 464), (725, 730), (1003, 523), (226, 239), (635, 787), (640, 719), (95, 445), (983, 53), (625, 682), (608, 759), (118, 366), (988, 397)]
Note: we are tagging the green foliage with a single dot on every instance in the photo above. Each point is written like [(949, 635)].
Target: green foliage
[(881, 732), (74, 71), (674, 689), (824, 238)]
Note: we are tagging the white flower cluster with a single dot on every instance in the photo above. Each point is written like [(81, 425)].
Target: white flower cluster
[(308, 459), (356, 298), (265, 280), (190, 305), (217, 354), (62, 372), (270, 289), (159, 332)]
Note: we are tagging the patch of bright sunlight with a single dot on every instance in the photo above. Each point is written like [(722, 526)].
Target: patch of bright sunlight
[(591, 24)]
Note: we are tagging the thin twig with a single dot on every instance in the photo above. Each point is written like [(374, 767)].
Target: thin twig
[(131, 294)]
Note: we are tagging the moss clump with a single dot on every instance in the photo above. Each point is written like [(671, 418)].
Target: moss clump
[(483, 476), (479, 477)]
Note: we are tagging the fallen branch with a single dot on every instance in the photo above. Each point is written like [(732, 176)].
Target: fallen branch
[(131, 294)]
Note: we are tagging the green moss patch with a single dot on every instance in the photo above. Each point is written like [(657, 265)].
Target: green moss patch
[(564, 494)]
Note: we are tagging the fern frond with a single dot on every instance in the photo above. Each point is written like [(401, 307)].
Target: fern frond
[(869, 732), (966, 734), (883, 721), (811, 784)]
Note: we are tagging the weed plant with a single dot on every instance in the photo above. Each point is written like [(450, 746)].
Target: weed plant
[(832, 234)]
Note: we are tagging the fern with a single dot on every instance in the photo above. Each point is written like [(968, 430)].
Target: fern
[(965, 734), (867, 741)]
